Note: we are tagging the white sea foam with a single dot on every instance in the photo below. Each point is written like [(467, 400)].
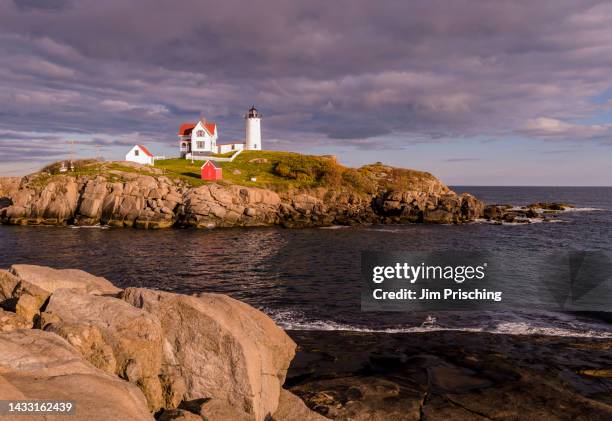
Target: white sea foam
[(525, 221), (584, 210), (98, 226), (556, 324), (335, 227), (393, 230)]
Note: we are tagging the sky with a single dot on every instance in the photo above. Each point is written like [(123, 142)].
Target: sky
[(476, 92)]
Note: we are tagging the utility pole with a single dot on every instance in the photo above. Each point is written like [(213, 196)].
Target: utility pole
[(99, 158), (71, 143)]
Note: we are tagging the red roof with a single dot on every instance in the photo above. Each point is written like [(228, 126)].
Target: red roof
[(186, 129), (145, 150), (208, 162), (210, 127)]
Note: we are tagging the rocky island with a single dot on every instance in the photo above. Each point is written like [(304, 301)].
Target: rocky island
[(259, 189)]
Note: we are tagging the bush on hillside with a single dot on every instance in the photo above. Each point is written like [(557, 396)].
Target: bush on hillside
[(359, 181), (308, 169)]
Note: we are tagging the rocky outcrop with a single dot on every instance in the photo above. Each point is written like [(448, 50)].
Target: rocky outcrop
[(155, 201), (143, 352), (50, 279), (20, 296), (292, 408), (10, 321), (40, 365), (416, 206), (451, 375), (215, 346), (524, 214), (112, 335), (26, 288)]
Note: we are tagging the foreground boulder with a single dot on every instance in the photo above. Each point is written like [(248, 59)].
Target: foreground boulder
[(40, 365), (218, 347), (10, 321), (26, 288), (51, 279), (292, 408), (21, 297), (127, 355), (112, 335)]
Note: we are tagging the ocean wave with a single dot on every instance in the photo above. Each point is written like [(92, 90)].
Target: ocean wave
[(545, 324), (98, 226), (393, 230), (587, 209), (335, 227), (520, 222)]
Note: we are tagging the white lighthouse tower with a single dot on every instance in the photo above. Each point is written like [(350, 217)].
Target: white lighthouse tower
[(253, 130)]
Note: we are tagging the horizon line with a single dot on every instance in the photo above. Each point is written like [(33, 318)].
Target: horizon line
[(524, 185)]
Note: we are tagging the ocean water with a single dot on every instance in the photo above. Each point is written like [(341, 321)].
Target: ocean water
[(310, 278)]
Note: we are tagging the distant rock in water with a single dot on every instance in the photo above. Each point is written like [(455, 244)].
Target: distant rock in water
[(524, 214), (143, 198)]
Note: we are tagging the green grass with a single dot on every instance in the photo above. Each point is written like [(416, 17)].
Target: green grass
[(86, 167), (282, 171), (183, 169), (224, 155), (278, 171), (270, 169)]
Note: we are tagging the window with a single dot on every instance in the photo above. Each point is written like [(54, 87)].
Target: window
[(200, 133), (136, 152), (200, 145), (255, 146)]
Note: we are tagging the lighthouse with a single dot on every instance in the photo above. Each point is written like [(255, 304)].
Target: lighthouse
[(253, 130)]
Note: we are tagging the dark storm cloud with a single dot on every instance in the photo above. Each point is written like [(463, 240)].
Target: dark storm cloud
[(342, 73)]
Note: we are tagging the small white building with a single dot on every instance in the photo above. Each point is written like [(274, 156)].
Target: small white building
[(199, 140), (140, 155), (229, 147)]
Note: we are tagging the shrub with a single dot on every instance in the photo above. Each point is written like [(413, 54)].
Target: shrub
[(359, 181), (308, 169)]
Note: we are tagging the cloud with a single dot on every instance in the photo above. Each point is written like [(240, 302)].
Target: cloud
[(342, 74), (554, 129)]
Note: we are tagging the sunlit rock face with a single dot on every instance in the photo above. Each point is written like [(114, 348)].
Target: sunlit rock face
[(151, 201)]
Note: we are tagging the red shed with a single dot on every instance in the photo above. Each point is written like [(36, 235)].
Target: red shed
[(210, 172)]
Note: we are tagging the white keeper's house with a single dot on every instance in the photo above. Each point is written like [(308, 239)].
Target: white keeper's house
[(140, 155), (199, 140)]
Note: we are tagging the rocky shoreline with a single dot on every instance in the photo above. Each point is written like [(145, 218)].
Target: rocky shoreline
[(139, 354), (448, 375), (151, 201)]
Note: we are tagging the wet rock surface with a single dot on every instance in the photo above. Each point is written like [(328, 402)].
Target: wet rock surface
[(541, 212), (451, 375)]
